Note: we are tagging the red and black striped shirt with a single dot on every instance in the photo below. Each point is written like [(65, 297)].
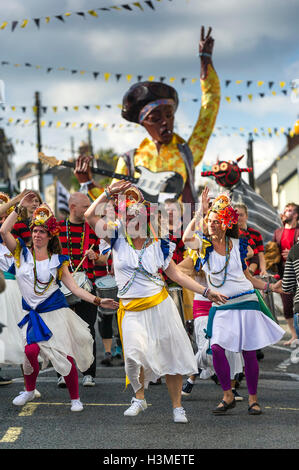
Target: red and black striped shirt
[(75, 239), (21, 230)]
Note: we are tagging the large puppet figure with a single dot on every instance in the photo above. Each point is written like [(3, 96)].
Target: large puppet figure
[(153, 105)]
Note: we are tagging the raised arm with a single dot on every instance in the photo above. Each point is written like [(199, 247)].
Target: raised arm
[(12, 202), (210, 99), (5, 231)]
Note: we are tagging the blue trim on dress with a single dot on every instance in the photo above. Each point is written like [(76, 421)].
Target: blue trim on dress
[(243, 247)]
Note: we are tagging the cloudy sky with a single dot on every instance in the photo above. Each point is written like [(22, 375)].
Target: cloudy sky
[(255, 41)]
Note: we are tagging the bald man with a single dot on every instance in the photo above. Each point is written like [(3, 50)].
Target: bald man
[(76, 238)]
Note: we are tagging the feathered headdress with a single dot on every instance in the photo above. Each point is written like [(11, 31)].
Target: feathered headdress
[(227, 215), (43, 216)]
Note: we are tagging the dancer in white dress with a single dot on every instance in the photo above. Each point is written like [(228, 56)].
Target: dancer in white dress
[(239, 325), (201, 307), (51, 330), (155, 343)]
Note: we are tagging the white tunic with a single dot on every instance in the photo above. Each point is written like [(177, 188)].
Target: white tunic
[(11, 313), (71, 335), (155, 338), (238, 330)]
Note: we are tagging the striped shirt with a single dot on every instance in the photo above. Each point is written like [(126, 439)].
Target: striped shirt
[(74, 242), (290, 281), (21, 230)]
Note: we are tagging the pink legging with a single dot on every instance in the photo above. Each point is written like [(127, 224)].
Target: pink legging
[(71, 380), (222, 369)]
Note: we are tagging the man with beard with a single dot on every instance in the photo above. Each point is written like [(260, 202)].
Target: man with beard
[(286, 237)]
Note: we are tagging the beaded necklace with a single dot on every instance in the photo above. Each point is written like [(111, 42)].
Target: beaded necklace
[(40, 287), (69, 242), (156, 279), (227, 257)]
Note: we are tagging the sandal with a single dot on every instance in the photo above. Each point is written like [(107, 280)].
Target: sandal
[(220, 410), (252, 411)]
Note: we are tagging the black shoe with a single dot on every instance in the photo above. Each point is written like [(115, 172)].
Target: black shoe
[(187, 388), (158, 382), (221, 410), (238, 378), (259, 354), (61, 382), (236, 395), (5, 380), (107, 361), (215, 379)]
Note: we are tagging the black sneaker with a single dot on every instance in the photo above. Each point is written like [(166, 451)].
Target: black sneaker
[(187, 388), (259, 354), (107, 361), (5, 380), (236, 395)]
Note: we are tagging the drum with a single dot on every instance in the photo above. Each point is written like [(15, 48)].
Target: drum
[(106, 288), (82, 281), (176, 293)]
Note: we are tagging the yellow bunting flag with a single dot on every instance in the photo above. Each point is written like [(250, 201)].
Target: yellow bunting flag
[(250, 97), (238, 82), (54, 109), (107, 76), (58, 124), (4, 24), (98, 107), (151, 78), (47, 19), (193, 80), (282, 84), (43, 123), (93, 13), (129, 77), (137, 4), (89, 125), (76, 108), (172, 79), (24, 24), (67, 14), (260, 83), (228, 99)]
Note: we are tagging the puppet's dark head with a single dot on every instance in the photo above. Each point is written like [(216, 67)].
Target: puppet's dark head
[(226, 174)]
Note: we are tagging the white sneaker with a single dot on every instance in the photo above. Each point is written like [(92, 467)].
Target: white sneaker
[(23, 397), (76, 405), (37, 394), (88, 381), (136, 407), (179, 415)]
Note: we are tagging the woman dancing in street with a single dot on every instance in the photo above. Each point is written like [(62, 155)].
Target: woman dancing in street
[(54, 332), (239, 325), (155, 343)]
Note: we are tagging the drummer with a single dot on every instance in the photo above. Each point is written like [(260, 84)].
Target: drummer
[(77, 238)]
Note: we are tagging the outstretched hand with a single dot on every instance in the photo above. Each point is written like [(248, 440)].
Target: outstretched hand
[(109, 304), (216, 297), (206, 43)]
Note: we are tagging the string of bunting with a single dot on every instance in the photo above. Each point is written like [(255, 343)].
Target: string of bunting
[(99, 107), (226, 130), (107, 76), (133, 6)]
